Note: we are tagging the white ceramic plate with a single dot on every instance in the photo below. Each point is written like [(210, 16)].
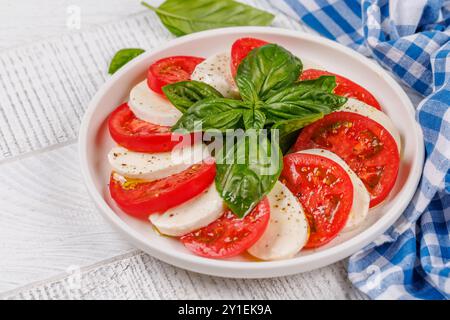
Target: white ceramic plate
[(95, 143)]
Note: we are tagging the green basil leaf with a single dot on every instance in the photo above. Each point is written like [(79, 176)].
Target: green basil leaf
[(287, 126), (247, 172), (288, 129), (253, 119), (212, 113), (323, 83), (189, 16), (265, 71), (122, 57), (295, 102), (185, 93), (287, 141)]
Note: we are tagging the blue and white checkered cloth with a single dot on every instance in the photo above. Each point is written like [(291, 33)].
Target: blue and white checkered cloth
[(411, 39)]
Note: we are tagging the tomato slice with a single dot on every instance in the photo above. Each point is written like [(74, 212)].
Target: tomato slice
[(170, 70), (141, 198), (325, 191), (241, 48), (137, 135), (229, 235), (345, 87), (365, 145)]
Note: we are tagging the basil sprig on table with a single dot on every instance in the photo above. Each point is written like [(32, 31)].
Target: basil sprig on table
[(271, 98), (122, 57), (182, 17)]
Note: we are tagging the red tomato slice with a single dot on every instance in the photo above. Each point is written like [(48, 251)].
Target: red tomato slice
[(229, 235), (241, 48), (141, 198), (365, 145), (325, 191), (137, 135), (345, 87), (170, 70)]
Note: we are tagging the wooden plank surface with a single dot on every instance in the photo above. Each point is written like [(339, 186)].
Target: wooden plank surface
[(26, 21), (49, 228), (138, 276)]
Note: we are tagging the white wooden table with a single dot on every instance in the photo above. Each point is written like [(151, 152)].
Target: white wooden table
[(53, 242)]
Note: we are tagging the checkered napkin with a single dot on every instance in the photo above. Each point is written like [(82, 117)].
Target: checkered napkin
[(411, 39)]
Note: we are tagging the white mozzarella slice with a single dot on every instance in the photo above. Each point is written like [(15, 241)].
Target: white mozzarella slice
[(152, 107), (154, 166), (359, 107), (216, 72), (288, 229), (361, 197), (191, 215)]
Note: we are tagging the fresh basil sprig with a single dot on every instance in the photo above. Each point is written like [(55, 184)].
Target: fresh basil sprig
[(271, 98), (264, 72), (182, 17), (122, 57), (185, 93)]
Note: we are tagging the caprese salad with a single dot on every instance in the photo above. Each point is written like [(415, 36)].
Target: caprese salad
[(344, 159)]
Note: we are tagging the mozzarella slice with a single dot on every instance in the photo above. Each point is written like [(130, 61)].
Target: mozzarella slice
[(361, 197), (152, 107), (154, 166), (359, 107), (216, 72), (288, 229), (191, 215)]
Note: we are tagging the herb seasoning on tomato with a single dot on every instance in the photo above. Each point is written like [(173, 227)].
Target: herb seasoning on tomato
[(325, 191), (365, 145), (229, 235)]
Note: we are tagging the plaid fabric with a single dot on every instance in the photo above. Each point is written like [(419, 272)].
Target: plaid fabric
[(410, 39)]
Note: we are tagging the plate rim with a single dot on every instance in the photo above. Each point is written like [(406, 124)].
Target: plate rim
[(247, 269)]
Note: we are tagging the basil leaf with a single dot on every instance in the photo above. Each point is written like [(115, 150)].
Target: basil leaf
[(323, 83), (287, 141), (295, 102), (185, 93), (253, 119), (247, 172), (288, 129), (122, 57), (212, 113), (287, 126), (265, 71), (188, 16)]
